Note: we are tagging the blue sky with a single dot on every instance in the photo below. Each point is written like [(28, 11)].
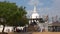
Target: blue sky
[(44, 7)]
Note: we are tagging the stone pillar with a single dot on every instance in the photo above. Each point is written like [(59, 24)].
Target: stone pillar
[(46, 27), (41, 29)]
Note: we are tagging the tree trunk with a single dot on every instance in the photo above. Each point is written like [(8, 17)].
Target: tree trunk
[(15, 28), (3, 28)]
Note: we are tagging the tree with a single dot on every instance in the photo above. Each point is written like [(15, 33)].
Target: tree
[(12, 14)]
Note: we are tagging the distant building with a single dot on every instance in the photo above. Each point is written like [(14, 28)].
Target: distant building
[(7, 28), (54, 27), (10, 28)]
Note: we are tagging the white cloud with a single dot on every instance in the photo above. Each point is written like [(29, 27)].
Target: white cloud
[(33, 2), (53, 10), (56, 7), (29, 12)]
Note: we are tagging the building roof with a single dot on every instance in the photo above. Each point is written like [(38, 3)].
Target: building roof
[(55, 24)]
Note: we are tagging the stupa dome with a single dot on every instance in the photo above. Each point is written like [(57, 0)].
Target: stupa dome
[(35, 15)]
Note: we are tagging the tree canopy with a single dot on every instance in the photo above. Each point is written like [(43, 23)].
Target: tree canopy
[(12, 14)]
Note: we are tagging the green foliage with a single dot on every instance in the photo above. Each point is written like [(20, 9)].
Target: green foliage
[(13, 15), (41, 20)]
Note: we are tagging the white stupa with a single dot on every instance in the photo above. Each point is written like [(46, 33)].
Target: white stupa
[(35, 14)]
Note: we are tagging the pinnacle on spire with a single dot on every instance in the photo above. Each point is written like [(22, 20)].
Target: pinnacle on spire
[(35, 8)]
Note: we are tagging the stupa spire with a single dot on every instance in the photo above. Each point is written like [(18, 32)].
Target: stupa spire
[(35, 8)]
